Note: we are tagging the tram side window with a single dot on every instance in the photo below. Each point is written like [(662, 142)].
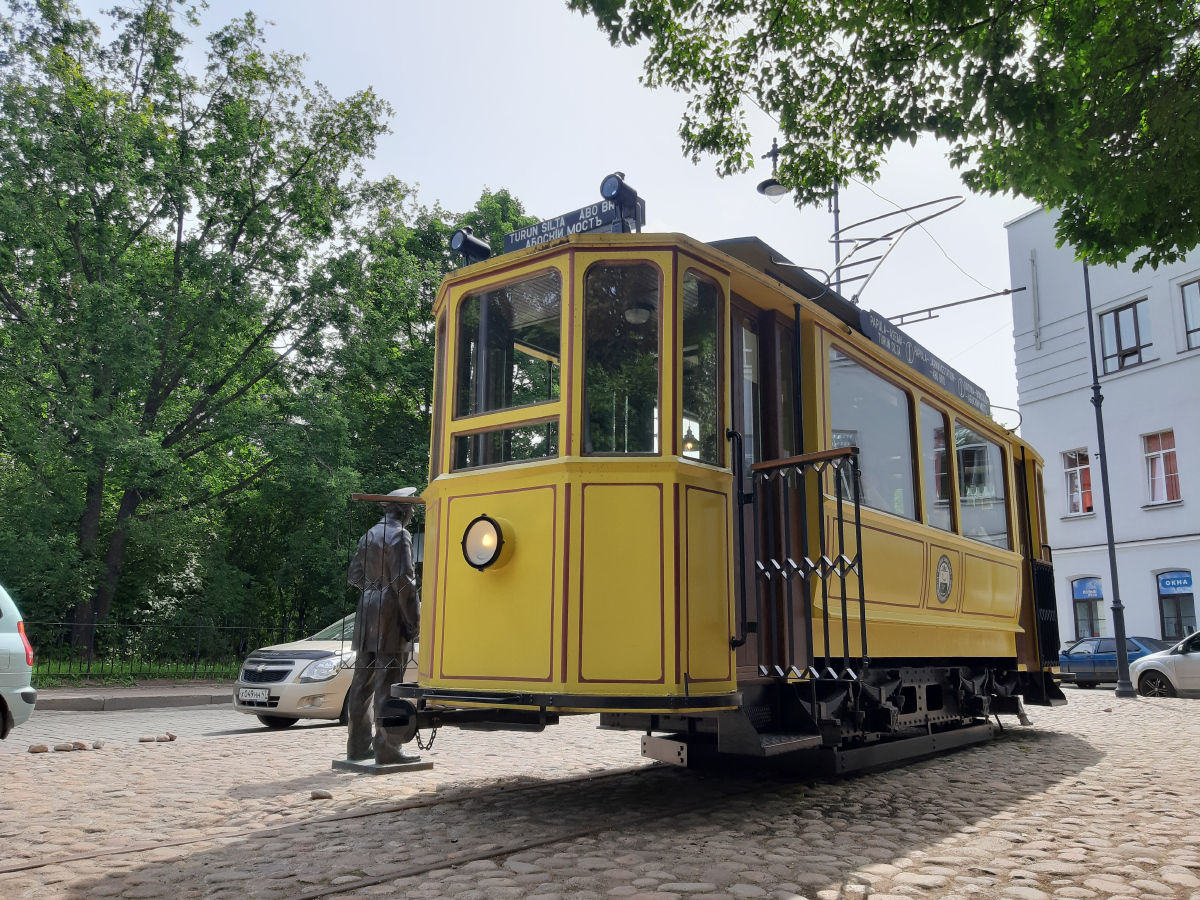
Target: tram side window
[(620, 382), (509, 345), (983, 509), (701, 384), (751, 399), (936, 458), (874, 415)]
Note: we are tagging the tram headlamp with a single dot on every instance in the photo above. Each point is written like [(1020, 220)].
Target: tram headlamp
[(472, 248), (615, 189), (487, 542)]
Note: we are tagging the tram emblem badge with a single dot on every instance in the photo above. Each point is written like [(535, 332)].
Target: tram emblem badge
[(945, 578)]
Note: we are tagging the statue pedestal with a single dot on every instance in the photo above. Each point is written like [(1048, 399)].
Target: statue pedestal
[(370, 767)]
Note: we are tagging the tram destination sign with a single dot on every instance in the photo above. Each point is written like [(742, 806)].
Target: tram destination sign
[(597, 217), (908, 351)]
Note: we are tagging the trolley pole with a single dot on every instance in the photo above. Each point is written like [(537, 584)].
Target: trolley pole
[(1124, 686)]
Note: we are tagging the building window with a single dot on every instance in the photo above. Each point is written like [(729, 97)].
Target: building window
[(508, 345), (620, 351), (1178, 605), (1191, 313), (1162, 469), (1125, 336), (983, 507), (1088, 597), (1078, 468), (873, 415)]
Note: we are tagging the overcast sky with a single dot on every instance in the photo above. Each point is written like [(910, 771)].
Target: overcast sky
[(527, 96)]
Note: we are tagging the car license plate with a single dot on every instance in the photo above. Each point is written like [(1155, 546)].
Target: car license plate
[(247, 694)]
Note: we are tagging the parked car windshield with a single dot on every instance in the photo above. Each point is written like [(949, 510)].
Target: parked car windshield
[(342, 630), (1155, 645)]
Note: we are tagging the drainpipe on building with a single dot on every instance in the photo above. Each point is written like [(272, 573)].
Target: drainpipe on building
[(1125, 688)]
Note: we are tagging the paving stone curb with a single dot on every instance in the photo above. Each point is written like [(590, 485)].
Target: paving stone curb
[(146, 701)]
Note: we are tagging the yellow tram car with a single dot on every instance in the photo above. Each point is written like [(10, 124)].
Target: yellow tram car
[(691, 488)]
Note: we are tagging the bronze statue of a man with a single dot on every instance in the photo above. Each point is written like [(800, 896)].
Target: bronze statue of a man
[(385, 625)]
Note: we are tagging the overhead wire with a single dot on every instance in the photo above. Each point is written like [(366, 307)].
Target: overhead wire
[(1007, 324), (936, 242)]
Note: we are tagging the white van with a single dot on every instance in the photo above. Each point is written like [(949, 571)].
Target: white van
[(17, 697)]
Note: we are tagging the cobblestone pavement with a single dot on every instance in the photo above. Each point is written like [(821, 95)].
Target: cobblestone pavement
[(126, 726), (1096, 800)]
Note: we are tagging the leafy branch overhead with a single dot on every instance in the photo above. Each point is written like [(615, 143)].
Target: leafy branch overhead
[(160, 234), (1091, 108)]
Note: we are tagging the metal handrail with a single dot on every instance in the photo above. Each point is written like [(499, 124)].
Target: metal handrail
[(782, 568)]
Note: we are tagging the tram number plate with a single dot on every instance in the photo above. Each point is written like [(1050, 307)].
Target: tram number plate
[(247, 694)]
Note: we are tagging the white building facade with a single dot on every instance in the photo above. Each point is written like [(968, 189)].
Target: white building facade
[(1147, 332)]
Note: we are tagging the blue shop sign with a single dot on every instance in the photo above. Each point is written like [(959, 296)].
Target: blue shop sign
[(1175, 583), (1087, 589)]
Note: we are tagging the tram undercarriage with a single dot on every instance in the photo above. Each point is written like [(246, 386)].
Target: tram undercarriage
[(886, 714)]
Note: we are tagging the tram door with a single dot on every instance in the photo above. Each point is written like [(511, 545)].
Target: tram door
[(763, 414)]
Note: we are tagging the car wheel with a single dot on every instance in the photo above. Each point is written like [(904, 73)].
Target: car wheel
[(1085, 684), (1155, 684), (277, 722)]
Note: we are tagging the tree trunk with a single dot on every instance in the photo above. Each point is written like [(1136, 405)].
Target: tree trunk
[(114, 560), (83, 620)]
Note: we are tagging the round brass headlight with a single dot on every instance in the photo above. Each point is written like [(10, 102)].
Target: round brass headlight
[(482, 542)]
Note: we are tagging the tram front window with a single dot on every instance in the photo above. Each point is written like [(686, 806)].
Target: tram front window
[(621, 359), (701, 385), (508, 345)]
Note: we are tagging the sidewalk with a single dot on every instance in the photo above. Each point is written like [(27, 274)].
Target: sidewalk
[(154, 694)]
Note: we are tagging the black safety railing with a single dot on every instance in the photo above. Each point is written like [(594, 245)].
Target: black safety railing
[(788, 496), (177, 648)]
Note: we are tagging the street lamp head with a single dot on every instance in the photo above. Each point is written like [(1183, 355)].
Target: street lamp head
[(772, 190)]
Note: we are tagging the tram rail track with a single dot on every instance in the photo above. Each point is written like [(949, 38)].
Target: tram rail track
[(458, 859), (274, 830)]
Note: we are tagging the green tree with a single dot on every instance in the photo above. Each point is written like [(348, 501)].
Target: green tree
[(361, 422), (1091, 108), (163, 239)]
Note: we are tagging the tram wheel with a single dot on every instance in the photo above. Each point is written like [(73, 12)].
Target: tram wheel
[(1155, 684)]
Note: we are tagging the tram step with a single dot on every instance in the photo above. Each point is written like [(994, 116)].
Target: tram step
[(773, 744)]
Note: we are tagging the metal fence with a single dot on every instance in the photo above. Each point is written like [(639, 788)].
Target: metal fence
[(201, 649)]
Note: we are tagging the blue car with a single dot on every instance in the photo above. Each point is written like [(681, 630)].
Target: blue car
[(1093, 660)]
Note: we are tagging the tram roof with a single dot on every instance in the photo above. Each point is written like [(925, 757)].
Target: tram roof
[(758, 254)]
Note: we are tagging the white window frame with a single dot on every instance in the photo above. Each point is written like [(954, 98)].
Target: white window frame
[(1077, 470), (1159, 456)]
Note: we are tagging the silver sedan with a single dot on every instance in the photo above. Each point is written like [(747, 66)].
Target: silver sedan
[(1171, 673), (306, 679)]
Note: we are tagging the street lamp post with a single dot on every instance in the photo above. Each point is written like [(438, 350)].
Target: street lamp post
[(1124, 686)]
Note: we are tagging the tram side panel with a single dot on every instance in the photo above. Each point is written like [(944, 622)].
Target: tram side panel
[(914, 610)]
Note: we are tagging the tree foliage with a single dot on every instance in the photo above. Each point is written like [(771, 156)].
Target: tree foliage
[(214, 330), (1088, 107)]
